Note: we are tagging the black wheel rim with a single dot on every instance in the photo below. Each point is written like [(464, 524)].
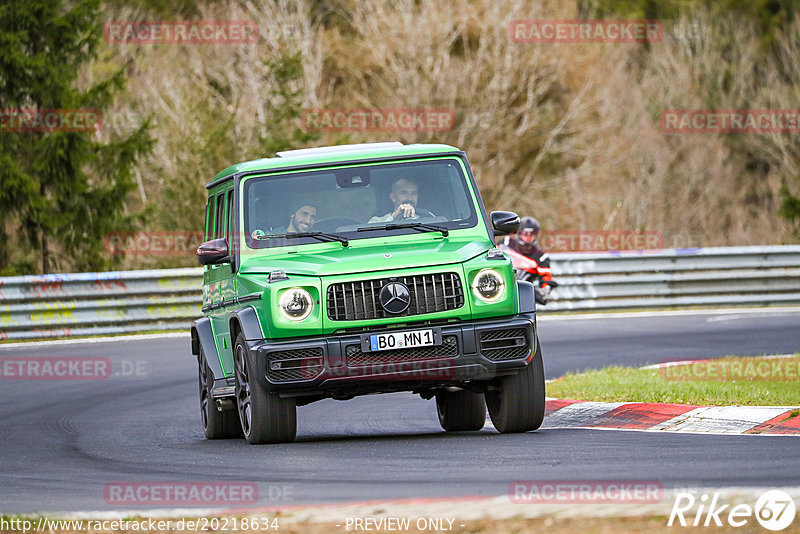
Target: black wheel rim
[(202, 372), (243, 390), (203, 399)]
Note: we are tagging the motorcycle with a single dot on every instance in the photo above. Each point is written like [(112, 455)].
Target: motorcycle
[(527, 269)]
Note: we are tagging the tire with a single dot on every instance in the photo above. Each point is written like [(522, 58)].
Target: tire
[(265, 417), (519, 404), (461, 410), (216, 424)]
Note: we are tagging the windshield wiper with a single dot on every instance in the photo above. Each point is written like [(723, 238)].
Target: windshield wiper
[(416, 226), (322, 236)]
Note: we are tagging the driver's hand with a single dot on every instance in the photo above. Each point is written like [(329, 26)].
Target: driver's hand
[(404, 211)]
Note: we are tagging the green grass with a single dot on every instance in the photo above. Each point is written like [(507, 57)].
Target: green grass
[(626, 384)]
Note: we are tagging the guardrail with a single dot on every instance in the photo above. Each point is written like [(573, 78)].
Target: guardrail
[(61, 305), (722, 276)]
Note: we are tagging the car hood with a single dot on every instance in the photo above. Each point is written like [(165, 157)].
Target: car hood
[(358, 258)]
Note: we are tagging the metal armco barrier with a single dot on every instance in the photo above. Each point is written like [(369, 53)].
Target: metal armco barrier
[(57, 305), (722, 276), (134, 301)]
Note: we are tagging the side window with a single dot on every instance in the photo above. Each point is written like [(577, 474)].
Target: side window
[(219, 228), (230, 216), (209, 218)]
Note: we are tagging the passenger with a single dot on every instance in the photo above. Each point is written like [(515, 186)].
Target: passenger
[(301, 220)]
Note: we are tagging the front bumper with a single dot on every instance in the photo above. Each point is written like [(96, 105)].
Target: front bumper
[(336, 365)]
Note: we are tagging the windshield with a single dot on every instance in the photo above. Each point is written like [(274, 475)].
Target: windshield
[(357, 202)]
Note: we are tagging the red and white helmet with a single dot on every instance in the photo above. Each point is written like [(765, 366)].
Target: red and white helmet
[(529, 230)]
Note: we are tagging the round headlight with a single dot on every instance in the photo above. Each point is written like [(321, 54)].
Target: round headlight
[(488, 285), (295, 304)]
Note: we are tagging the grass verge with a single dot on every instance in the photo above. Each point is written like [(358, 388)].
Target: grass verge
[(720, 382)]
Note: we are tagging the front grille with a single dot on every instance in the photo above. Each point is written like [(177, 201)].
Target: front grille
[(506, 344), (430, 293), (448, 349), (302, 364)]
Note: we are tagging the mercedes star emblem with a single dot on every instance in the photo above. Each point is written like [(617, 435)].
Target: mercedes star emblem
[(395, 297)]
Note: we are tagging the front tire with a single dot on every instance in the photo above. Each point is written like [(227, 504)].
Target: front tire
[(265, 417), (216, 424), (461, 410), (520, 403)]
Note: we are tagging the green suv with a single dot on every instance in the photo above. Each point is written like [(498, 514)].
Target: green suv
[(341, 271)]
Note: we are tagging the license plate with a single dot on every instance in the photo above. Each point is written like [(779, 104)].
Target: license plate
[(402, 340)]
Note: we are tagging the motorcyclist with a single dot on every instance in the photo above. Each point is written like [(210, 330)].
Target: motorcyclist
[(526, 242)]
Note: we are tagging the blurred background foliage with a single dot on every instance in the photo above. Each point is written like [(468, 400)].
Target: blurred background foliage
[(569, 133)]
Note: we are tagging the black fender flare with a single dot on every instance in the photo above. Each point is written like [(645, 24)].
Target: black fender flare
[(527, 297), (248, 323), (203, 336)]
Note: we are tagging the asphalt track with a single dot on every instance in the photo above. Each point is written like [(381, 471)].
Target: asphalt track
[(62, 442)]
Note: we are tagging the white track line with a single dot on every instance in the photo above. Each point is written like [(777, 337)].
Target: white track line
[(106, 339), (543, 316)]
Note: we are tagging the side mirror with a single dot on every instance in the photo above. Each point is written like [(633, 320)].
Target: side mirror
[(214, 251), (504, 222)]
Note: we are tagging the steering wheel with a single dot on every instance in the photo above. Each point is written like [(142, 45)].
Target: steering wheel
[(420, 213)]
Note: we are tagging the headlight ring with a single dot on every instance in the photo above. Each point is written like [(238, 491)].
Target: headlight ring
[(488, 285), (295, 304)]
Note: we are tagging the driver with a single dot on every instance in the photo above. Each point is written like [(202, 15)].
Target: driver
[(404, 196)]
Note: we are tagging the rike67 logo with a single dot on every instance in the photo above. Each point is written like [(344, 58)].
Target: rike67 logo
[(774, 510)]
